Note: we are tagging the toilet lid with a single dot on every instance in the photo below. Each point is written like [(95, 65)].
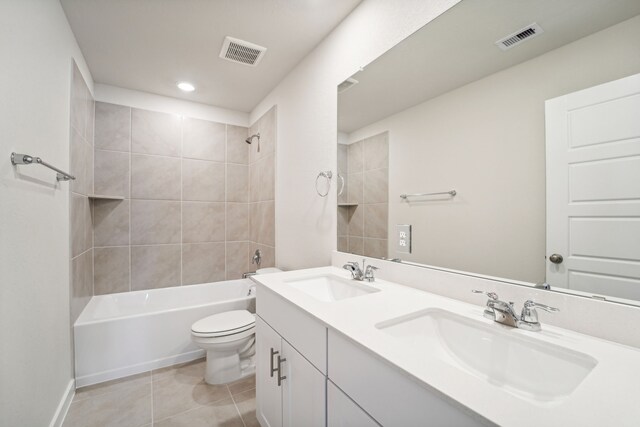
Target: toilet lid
[(228, 323)]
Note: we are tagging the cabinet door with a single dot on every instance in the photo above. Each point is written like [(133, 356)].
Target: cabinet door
[(303, 392), (268, 393), (343, 412)]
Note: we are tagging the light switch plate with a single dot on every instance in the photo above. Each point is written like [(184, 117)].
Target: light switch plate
[(403, 238)]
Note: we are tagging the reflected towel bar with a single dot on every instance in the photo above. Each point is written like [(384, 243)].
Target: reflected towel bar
[(25, 159), (451, 193)]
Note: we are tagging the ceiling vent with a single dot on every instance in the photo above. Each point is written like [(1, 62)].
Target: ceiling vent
[(242, 52), (347, 84), (523, 34)]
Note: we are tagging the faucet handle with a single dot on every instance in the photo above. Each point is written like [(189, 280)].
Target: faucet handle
[(529, 315), (491, 295), (532, 304), (368, 273)]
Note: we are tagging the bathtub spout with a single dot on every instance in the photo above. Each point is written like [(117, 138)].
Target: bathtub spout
[(248, 274)]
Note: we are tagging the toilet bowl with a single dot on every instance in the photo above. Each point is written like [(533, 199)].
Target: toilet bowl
[(229, 340)]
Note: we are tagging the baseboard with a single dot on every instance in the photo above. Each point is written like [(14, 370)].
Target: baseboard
[(63, 406), (100, 377)]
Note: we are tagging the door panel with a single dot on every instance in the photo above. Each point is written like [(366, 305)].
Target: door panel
[(268, 393)]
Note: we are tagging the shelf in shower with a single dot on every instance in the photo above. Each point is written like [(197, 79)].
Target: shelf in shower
[(346, 205), (103, 197)]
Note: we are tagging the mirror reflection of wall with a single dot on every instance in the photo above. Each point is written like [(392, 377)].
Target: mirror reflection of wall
[(363, 207), (463, 114)]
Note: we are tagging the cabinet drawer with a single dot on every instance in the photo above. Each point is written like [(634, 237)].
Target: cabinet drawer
[(389, 396), (305, 333)]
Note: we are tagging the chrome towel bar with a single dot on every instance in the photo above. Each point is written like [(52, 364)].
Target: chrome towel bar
[(451, 193), (25, 159)]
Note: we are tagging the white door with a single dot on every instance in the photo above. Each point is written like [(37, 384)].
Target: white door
[(268, 392), (593, 189), (303, 393)]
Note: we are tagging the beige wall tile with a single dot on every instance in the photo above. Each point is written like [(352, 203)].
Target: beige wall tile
[(375, 248), (237, 183), (343, 221), (356, 188), (376, 186), (238, 260), (375, 220), (237, 221), (203, 140), (90, 134), (111, 173), (261, 223), (356, 245), (355, 157), (343, 159), (376, 152), (81, 283), (111, 222), (80, 223), (155, 133), (78, 162), (262, 179), (155, 266), (111, 270), (203, 263), (203, 222), (237, 148), (342, 181), (155, 222), (266, 126), (356, 221), (112, 127), (89, 176), (80, 102), (203, 181), (343, 243), (154, 177)]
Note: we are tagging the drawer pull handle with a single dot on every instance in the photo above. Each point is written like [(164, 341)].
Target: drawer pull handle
[(280, 377), (273, 370)]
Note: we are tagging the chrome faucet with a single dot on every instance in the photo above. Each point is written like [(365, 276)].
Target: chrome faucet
[(504, 312), (357, 273), (257, 258)]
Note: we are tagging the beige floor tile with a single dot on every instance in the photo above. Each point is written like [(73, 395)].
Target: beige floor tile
[(246, 403), (242, 385), (183, 388), (222, 413), (128, 406), (111, 386)]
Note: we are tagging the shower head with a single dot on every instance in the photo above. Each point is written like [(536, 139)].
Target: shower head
[(250, 140)]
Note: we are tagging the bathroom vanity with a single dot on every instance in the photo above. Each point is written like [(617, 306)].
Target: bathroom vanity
[(338, 352)]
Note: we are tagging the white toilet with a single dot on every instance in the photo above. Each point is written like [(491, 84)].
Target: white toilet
[(229, 340)]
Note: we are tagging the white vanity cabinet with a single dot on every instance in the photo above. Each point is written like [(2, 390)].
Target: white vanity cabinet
[(290, 390)]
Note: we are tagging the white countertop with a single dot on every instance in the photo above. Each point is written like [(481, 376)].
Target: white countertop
[(609, 395)]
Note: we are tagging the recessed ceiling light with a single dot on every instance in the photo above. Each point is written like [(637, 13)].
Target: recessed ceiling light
[(186, 86)]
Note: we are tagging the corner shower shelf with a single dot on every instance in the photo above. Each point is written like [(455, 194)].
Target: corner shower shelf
[(346, 205), (103, 197)]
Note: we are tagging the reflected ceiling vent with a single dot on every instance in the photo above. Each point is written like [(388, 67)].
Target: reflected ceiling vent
[(523, 34), (347, 84), (242, 52)]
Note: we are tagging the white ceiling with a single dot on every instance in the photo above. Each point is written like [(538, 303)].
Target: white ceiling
[(458, 48), (149, 45)]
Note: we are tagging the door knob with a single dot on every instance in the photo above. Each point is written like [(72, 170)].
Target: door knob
[(556, 258)]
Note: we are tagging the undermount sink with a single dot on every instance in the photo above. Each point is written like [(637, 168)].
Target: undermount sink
[(329, 288), (522, 365)]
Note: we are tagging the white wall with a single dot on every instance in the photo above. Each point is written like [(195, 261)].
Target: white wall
[(165, 104), (487, 140), (307, 121), (37, 47)]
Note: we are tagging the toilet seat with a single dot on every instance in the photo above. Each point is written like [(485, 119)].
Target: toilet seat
[(225, 324)]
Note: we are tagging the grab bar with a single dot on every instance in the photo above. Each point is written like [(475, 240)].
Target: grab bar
[(25, 159), (451, 193)]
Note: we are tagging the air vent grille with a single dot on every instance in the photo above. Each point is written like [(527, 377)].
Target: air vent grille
[(519, 36), (241, 52), (347, 84)]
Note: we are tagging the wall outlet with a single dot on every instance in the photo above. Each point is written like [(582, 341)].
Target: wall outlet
[(403, 238)]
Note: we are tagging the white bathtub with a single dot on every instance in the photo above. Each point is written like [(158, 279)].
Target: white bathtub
[(127, 333)]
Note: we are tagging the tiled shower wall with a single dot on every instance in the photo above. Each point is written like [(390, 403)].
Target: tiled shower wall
[(185, 214), (362, 227), (81, 166), (262, 188)]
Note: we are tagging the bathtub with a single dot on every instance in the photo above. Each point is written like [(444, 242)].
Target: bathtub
[(123, 334)]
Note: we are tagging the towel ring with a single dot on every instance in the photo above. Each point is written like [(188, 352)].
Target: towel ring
[(326, 175), (341, 185)]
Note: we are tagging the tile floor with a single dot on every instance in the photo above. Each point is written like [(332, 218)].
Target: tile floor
[(173, 396)]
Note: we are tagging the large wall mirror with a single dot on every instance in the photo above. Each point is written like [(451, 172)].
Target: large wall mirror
[(444, 145)]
